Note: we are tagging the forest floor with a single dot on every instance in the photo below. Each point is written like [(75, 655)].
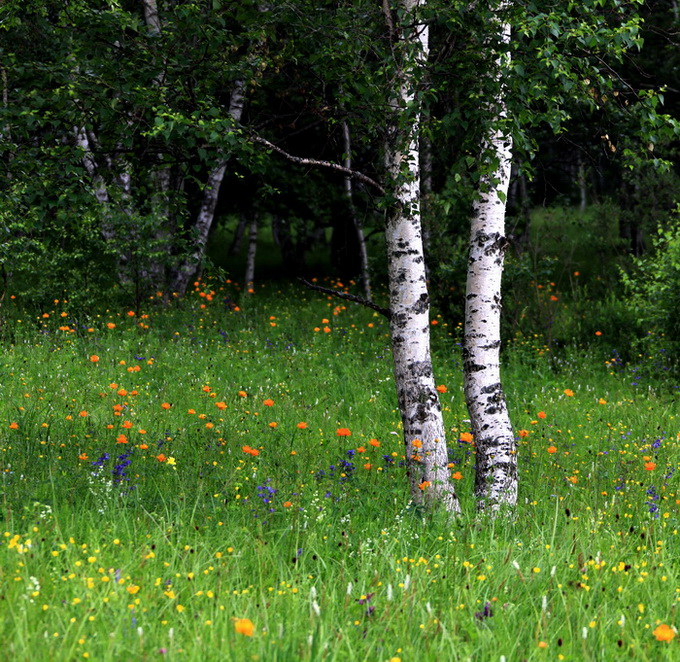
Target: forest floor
[(223, 481)]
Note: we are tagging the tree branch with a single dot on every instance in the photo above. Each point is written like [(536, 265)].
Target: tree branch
[(349, 297), (319, 164)]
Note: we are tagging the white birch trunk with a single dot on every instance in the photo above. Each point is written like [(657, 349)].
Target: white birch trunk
[(424, 435), (206, 213), (496, 470), (151, 17), (91, 167), (250, 260), (361, 237)]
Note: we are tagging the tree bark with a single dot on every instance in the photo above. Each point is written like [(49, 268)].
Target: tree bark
[(206, 213), (151, 18), (252, 251), (237, 241), (361, 237), (424, 435), (496, 462)]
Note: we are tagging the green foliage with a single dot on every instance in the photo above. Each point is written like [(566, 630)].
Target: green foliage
[(59, 253), (654, 287)]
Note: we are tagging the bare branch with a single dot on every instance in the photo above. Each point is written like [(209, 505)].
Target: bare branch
[(348, 297), (319, 164)]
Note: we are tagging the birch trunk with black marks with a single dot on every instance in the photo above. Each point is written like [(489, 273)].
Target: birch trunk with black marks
[(424, 435), (252, 251), (361, 237), (206, 213), (496, 461)]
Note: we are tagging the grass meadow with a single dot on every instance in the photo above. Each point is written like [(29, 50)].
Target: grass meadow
[(223, 480)]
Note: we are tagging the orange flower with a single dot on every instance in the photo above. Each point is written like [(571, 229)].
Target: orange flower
[(210, 426), (83, 456), (417, 443), (568, 392), (221, 405), (302, 425), (442, 389), (244, 626), (552, 449), (361, 449), (143, 446), (424, 485), (191, 411), (457, 475), (664, 633), (127, 424), (206, 389), (131, 313), (541, 414), (122, 392), (523, 433), (368, 466), (166, 405), (326, 329), (13, 426), (343, 432), (466, 437), (121, 439), (573, 480), (83, 414), (287, 504), (242, 394), (650, 466), (268, 402), (110, 325), (598, 333), (273, 424), (553, 298), (374, 442), (94, 358), (161, 457)]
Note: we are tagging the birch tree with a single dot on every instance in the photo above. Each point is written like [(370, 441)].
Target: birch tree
[(496, 458), (206, 214), (424, 435), (356, 224)]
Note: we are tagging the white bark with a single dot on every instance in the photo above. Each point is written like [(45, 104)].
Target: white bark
[(151, 18), (206, 213), (252, 251), (496, 472), (424, 436), (361, 237), (91, 167)]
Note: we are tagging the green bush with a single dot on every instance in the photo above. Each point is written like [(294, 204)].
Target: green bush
[(653, 287)]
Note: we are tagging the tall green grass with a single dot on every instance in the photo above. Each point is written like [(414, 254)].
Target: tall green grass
[(221, 536)]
